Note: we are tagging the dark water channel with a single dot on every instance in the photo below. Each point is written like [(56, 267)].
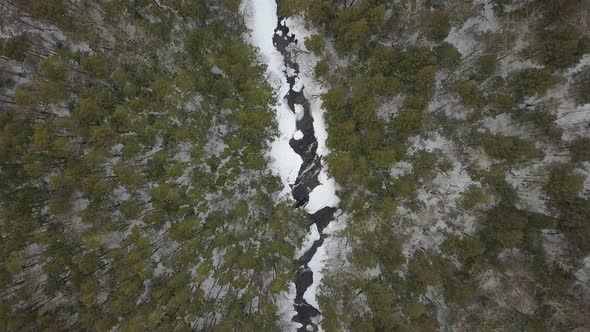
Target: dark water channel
[(308, 176)]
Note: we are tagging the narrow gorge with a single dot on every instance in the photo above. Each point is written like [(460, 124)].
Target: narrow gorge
[(310, 187), (305, 145)]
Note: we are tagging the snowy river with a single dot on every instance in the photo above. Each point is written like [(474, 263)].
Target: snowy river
[(296, 155)]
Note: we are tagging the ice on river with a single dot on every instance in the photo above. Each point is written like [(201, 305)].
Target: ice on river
[(298, 135), (261, 18), (322, 195)]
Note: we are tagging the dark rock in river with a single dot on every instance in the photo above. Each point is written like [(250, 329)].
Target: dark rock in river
[(323, 216)]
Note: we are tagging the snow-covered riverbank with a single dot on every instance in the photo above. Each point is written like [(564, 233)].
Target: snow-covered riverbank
[(296, 154), (261, 19)]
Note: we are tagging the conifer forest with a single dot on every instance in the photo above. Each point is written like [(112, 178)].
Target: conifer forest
[(295, 165)]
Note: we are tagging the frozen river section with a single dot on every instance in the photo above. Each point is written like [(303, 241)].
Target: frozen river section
[(294, 154)]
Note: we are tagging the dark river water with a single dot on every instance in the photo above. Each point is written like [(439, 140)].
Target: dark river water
[(307, 178)]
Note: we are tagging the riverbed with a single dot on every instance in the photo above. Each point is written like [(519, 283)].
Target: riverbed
[(296, 155)]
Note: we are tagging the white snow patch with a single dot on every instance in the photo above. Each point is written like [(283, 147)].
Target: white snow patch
[(400, 168), (299, 111), (503, 125), (583, 277), (529, 184), (315, 265), (322, 195), (298, 85), (319, 125), (427, 225), (298, 135), (285, 162), (574, 120), (584, 62), (512, 63), (286, 310), (465, 37)]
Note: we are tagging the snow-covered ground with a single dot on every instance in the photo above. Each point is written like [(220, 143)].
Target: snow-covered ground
[(261, 18), (464, 37)]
